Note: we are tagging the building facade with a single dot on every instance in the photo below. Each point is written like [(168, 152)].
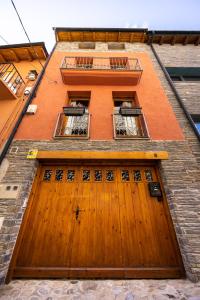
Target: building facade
[(103, 180), (20, 65)]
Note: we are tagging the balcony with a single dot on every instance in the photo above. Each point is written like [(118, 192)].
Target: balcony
[(72, 126), (129, 127), (101, 70), (11, 83)]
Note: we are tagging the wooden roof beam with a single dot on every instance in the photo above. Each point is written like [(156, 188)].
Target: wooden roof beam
[(173, 40), (118, 38), (2, 58), (93, 36), (131, 37), (15, 55), (161, 40), (197, 41), (106, 36), (150, 39), (29, 54), (82, 36), (186, 40)]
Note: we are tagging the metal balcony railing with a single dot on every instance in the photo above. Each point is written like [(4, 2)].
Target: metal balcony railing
[(11, 77), (101, 63), (129, 126), (72, 126)]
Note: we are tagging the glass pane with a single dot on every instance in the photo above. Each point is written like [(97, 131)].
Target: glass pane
[(59, 175), (70, 175), (125, 175), (47, 175), (109, 175), (148, 175), (86, 175), (98, 175), (197, 124), (137, 175)]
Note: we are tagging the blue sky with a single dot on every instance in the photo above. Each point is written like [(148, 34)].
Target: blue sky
[(39, 16)]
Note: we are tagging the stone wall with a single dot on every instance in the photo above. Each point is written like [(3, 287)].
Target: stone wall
[(184, 56), (180, 175)]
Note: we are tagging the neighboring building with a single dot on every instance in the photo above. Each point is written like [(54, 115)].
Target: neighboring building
[(20, 66), (109, 163)]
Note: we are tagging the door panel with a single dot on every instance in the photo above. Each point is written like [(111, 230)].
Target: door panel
[(97, 221)]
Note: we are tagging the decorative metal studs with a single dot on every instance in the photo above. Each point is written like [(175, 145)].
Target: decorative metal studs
[(148, 175), (47, 175), (125, 175), (70, 175), (59, 175), (137, 175), (98, 175), (109, 175), (86, 175)]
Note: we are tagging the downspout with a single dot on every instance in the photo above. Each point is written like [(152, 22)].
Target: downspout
[(31, 96), (174, 88)]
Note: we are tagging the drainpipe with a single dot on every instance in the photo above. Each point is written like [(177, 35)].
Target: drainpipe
[(174, 89), (31, 96)]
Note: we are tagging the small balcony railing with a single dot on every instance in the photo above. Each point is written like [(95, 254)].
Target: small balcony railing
[(72, 126), (11, 78), (101, 63), (129, 126), (101, 70)]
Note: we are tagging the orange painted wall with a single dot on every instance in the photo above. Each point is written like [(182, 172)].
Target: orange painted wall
[(51, 97), (10, 109)]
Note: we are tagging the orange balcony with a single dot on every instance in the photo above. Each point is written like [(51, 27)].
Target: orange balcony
[(11, 83), (101, 70)]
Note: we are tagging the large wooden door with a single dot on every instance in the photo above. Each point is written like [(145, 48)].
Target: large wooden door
[(98, 222)]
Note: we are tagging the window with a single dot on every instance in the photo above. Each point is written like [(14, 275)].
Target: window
[(74, 121), (184, 73), (128, 119), (86, 45), (119, 63), (196, 120), (84, 62), (116, 46)]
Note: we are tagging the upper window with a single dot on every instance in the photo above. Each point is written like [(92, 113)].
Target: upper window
[(86, 45), (196, 119), (184, 73), (116, 46)]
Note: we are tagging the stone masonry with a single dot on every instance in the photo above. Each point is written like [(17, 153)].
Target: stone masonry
[(184, 56), (180, 175)]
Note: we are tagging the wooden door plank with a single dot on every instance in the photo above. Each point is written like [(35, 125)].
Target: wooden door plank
[(120, 231)]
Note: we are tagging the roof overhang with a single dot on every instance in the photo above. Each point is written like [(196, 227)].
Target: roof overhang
[(69, 34), (173, 37), (131, 35), (20, 52)]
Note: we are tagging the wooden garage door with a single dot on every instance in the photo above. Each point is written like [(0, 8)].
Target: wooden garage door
[(97, 221)]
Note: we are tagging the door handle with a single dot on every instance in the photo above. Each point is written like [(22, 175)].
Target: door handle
[(77, 211)]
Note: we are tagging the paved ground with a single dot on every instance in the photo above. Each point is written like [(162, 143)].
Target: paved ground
[(97, 289)]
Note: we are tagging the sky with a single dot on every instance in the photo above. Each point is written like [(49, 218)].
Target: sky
[(39, 16)]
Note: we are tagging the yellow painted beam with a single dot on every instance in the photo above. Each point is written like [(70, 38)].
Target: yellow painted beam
[(101, 155)]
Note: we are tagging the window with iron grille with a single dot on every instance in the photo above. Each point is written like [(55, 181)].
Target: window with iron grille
[(74, 121), (128, 119)]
